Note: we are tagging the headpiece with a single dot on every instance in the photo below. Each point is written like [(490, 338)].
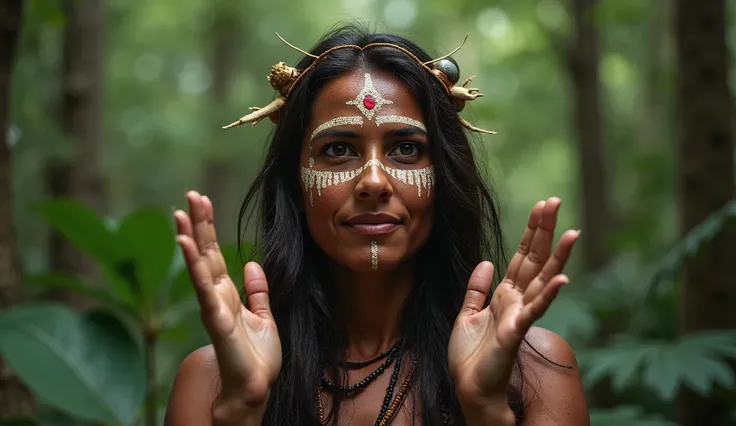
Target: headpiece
[(284, 78)]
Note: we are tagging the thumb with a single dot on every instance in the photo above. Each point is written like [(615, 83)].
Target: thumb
[(256, 290), (479, 286)]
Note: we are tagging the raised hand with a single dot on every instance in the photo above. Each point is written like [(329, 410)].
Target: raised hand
[(245, 340), (485, 340)]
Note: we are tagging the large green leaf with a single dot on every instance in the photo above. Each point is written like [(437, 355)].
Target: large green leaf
[(69, 282), (82, 227), (88, 366), (149, 242)]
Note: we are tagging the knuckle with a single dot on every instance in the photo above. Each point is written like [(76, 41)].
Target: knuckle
[(523, 248), (535, 256), (210, 246)]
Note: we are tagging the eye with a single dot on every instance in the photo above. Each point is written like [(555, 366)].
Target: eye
[(406, 149), (338, 149)]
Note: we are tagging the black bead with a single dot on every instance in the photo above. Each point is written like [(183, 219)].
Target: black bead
[(450, 68)]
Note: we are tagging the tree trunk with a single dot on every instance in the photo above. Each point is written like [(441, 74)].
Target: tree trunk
[(82, 96), (583, 64), (15, 400), (705, 178), (80, 119), (584, 57), (219, 168)]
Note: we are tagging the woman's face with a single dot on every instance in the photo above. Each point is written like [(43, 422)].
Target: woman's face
[(367, 179)]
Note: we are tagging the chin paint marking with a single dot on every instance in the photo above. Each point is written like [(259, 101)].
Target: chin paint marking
[(374, 255)]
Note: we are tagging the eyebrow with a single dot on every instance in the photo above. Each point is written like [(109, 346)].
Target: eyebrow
[(338, 133), (406, 131)]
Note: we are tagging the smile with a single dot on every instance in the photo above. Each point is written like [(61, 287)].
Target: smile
[(373, 223)]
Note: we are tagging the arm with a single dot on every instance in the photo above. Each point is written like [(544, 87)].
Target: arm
[(552, 395), (195, 397)]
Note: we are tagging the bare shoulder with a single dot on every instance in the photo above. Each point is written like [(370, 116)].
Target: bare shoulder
[(196, 386), (553, 390)]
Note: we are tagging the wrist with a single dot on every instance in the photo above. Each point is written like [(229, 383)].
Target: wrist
[(488, 412), (228, 411)]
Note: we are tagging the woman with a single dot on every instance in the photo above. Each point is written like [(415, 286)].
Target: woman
[(370, 304)]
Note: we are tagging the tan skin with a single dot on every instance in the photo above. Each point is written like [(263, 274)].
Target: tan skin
[(484, 343)]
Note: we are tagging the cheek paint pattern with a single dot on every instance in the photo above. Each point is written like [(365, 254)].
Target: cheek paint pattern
[(374, 255), (421, 178)]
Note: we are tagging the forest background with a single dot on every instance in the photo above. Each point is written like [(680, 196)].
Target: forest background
[(111, 110)]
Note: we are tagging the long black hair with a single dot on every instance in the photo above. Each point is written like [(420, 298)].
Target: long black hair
[(466, 231)]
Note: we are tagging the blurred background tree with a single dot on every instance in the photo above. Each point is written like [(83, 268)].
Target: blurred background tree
[(622, 108)]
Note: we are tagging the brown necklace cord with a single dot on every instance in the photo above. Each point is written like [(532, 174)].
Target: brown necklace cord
[(399, 399), (393, 408)]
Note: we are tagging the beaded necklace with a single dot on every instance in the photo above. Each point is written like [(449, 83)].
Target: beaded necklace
[(391, 404)]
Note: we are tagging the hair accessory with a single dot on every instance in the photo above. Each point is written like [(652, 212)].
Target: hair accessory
[(284, 78)]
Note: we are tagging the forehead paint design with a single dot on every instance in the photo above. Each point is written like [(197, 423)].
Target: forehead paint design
[(374, 255), (421, 178), (354, 120), (385, 119), (369, 101)]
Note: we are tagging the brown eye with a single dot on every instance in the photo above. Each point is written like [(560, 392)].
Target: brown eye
[(338, 149), (406, 149)]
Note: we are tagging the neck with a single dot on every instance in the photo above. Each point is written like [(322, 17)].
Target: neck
[(370, 307)]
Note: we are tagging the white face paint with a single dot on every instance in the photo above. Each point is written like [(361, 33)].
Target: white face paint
[(374, 255), (421, 178), (368, 101)]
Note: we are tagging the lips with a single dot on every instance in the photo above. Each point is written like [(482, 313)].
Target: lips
[(373, 223)]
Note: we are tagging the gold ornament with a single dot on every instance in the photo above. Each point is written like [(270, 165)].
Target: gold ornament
[(282, 77)]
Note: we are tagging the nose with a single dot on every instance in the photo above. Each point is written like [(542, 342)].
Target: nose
[(373, 184)]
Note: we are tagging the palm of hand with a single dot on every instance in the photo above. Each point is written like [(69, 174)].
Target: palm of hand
[(485, 339), (245, 340)]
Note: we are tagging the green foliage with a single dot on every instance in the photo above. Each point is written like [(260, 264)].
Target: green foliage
[(696, 360), (148, 238), (18, 422), (691, 243), (628, 415), (87, 365)]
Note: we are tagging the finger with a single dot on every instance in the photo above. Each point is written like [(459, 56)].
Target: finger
[(555, 264), (183, 223), (541, 244), (256, 290), (534, 310), (199, 274), (526, 241), (204, 232), (219, 266), (479, 285)]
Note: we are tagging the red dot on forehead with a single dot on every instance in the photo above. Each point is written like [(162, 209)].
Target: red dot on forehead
[(369, 102)]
